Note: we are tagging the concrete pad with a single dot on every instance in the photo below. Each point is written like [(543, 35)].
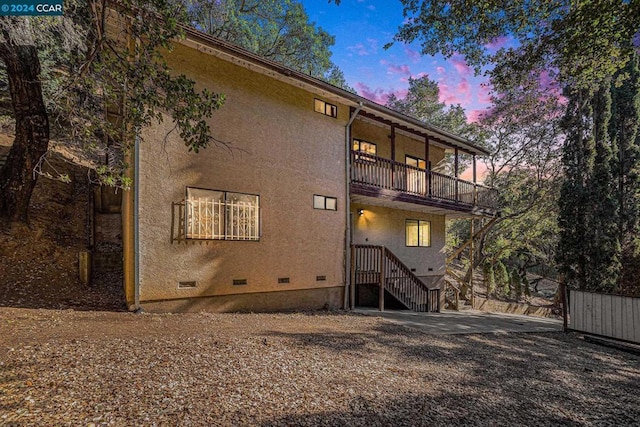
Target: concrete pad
[(466, 322)]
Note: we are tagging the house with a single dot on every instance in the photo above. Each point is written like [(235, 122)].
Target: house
[(326, 199)]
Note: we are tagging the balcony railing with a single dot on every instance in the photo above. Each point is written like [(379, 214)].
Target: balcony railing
[(373, 171)]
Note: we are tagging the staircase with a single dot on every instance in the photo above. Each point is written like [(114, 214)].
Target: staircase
[(377, 265)]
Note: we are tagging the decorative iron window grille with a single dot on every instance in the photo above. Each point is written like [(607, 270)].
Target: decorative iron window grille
[(217, 215)]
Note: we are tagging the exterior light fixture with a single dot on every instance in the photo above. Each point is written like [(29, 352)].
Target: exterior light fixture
[(360, 212)]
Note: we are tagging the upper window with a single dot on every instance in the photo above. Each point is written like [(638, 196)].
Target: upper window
[(325, 108), (365, 147), (325, 202), (221, 215), (414, 161), (418, 233)]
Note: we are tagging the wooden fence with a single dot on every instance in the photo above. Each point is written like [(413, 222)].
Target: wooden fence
[(607, 315)]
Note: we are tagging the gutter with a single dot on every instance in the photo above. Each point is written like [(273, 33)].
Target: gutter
[(347, 207)]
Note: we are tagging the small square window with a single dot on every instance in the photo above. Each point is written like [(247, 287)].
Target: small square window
[(322, 107), (325, 203)]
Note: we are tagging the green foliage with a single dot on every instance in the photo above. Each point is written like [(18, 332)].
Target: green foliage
[(489, 278), (515, 284), (583, 41), (86, 73), (422, 102), (599, 208), (502, 278), (276, 29), (522, 131), (526, 286)]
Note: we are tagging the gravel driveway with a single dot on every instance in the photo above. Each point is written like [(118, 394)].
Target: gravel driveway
[(99, 368)]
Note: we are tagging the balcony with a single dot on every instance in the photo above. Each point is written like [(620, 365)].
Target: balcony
[(376, 177)]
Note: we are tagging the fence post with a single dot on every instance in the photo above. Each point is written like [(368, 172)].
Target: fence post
[(381, 280), (565, 308)]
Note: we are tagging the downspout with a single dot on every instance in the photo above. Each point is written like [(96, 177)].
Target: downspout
[(128, 234), (136, 220), (347, 204), (130, 238)]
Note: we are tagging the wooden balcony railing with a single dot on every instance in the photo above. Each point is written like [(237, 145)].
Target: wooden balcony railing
[(378, 172)]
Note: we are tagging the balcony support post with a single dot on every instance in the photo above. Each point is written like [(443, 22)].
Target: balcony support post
[(393, 155), (427, 165), (455, 173)]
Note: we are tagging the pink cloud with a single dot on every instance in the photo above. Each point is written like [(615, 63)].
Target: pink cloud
[(460, 65), (396, 69), (460, 94), (412, 54), (378, 95), (414, 76), (497, 43), (474, 116), (359, 49), (362, 50), (484, 93), (440, 70)]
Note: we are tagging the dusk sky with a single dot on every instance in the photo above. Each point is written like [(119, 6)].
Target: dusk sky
[(363, 27)]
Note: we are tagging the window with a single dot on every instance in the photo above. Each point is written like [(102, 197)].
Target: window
[(418, 233), (324, 202), (221, 215), (414, 161), (325, 108), (365, 147)]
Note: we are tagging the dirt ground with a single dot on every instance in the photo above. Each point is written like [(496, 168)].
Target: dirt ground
[(39, 262), (65, 367)]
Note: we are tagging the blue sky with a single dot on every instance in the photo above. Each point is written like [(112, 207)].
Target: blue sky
[(363, 27)]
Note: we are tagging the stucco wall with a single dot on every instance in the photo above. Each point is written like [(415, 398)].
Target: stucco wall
[(283, 151), (384, 226)]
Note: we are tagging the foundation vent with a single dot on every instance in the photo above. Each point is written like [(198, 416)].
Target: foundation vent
[(238, 282), (187, 285), (321, 278), (283, 280)]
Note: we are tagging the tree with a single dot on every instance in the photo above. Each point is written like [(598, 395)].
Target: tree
[(580, 42), (623, 132), (276, 29), (599, 207), (19, 53), (422, 102), (90, 72)]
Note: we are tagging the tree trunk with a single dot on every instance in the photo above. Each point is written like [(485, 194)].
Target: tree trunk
[(17, 180)]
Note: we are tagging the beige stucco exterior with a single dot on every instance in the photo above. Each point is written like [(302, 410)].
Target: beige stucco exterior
[(386, 227), (282, 151)]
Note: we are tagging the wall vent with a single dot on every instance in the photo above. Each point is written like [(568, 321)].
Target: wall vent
[(187, 285), (321, 278), (283, 280), (413, 270), (238, 282)]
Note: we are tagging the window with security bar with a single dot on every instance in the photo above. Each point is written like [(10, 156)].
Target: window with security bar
[(221, 215)]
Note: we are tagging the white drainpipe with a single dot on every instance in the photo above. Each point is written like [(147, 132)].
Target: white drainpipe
[(347, 205)]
